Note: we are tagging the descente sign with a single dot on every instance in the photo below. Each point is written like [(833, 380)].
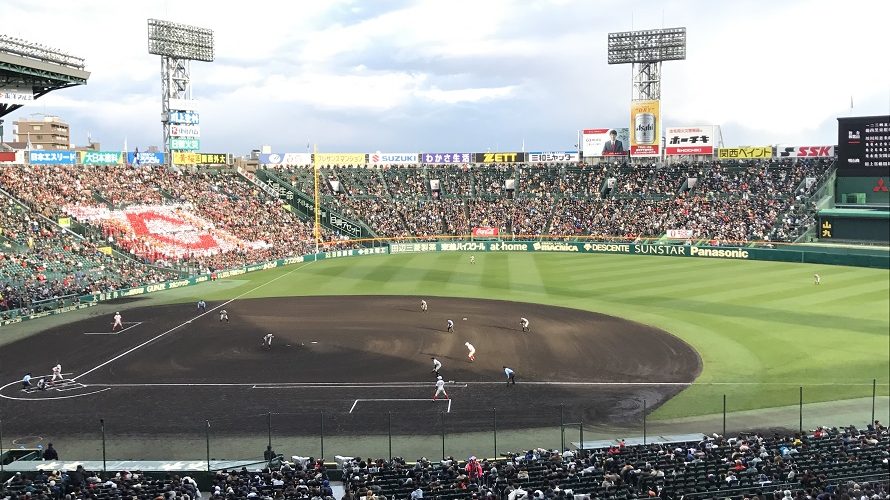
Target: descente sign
[(572, 247)]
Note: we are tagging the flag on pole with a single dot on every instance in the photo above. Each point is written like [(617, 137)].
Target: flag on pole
[(851, 103), (135, 157)]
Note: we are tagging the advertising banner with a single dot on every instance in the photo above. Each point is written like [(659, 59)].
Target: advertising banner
[(16, 95), (433, 158), (100, 157), (287, 159), (783, 151), (185, 143), (7, 156), (689, 140), (188, 158), (553, 156), (184, 117), (601, 142), (64, 221), (499, 157), (145, 158), (183, 104), (340, 158), (683, 234), (645, 132), (185, 130), (745, 152), (393, 158), (484, 232), (42, 157)]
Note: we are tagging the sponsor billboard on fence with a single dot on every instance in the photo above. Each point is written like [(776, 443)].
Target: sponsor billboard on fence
[(745, 152), (499, 157), (446, 158), (645, 128), (484, 232), (689, 140), (7, 156), (42, 157), (16, 95), (783, 151), (100, 157), (393, 158), (340, 158), (287, 159), (145, 158), (553, 156), (185, 143), (189, 158), (599, 141)]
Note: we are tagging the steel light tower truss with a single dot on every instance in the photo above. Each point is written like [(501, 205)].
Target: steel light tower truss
[(645, 50), (178, 45)]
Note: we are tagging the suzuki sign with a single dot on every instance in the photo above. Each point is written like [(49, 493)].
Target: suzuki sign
[(393, 158)]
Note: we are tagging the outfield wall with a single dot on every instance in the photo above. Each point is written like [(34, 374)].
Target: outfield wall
[(845, 256)]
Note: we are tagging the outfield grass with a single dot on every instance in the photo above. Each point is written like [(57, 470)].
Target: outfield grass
[(761, 328)]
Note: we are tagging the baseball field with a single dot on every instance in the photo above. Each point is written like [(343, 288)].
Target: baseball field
[(612, 338)]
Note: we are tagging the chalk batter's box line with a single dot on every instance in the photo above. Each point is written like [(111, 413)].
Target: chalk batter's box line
[(133, 324), (448, 410)]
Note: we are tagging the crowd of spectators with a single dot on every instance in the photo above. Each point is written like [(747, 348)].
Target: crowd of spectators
[(81, 484)]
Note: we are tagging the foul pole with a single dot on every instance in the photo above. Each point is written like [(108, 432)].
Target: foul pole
[(316, 230)]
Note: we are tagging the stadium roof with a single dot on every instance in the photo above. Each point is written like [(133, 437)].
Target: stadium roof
[(29, 66)]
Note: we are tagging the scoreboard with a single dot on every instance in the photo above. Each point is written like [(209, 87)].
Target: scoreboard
[(863, 146)]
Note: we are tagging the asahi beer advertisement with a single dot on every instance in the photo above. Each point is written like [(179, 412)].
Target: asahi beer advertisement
[(645, 128)]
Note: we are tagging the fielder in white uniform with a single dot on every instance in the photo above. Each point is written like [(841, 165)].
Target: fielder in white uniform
[(524, 323), (472, 351), (57, 373), (472, 259), (223, 315), (450, 326), (118, 321), (440, 388), (817, 280), (437, 365), (423, 305), (267, 340)]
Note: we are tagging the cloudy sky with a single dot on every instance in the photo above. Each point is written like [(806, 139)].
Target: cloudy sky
[(456, 75)]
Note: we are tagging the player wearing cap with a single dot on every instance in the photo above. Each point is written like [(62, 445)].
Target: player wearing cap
[(202, 306), (511, 375), (267, 341), (423, 306), (437, 365), (472, 351), (450, 326), (118, 321), (57, 373), (524, 323), (223, 315), (440, 388)]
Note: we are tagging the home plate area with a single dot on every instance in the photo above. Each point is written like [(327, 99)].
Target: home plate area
[(383, 405)]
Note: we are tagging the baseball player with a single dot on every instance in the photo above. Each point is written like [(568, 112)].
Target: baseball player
[(440, 388), (202, 306), (437, 365), (511, 375), (57, 373), (524, 323), (472, 351), (223, 315), (472, 259), (450, 326), (817, 280), (118, 321), (423, 305), (267, 340), (26, 381)]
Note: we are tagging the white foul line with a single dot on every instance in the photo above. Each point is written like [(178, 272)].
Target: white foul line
[(402, 399), (134, 323), (149, 341)]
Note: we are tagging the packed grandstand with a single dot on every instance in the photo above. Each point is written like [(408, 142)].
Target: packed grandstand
[(151, 224)]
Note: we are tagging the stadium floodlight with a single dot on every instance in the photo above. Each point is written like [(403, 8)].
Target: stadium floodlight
[(646, 50), (180, 41), (39, 52), (178, 45)]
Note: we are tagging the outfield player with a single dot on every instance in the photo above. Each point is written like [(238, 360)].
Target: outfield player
[(202, 306), (450, 326), (524, 323), (57, 373), (817, 280), (267, 340), (472, 259), (118, 321), (423, 305), (511, 375), (437, 365), (472, 351), (440, 388), (223, 315)]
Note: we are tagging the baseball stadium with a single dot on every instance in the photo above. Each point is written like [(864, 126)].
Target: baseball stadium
[(680, 319)]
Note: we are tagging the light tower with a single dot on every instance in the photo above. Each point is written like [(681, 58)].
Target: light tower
[(178, 45), (645, 50)]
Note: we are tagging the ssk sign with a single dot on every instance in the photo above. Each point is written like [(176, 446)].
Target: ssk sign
[(185, 130), (805, 151), (393, 158)]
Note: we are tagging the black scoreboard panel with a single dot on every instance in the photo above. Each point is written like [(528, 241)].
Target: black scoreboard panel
[(853, 228), (863, 146)]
